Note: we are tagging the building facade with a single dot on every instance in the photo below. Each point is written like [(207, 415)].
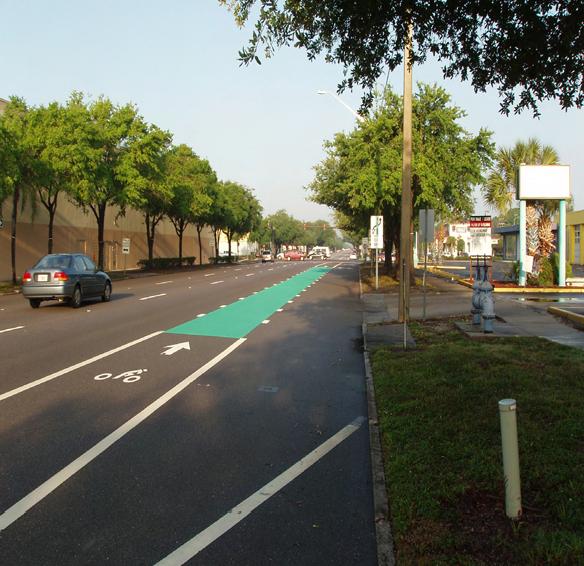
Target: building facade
[(76, 231), (574, 232)]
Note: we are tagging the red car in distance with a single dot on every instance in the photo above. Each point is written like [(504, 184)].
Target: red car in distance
[(293, 255)]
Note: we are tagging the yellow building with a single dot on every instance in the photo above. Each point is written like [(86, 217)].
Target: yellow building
[(574, 233)]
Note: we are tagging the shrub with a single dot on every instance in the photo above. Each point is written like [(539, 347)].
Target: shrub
[(546, 272), (555, 258), (166, 262)]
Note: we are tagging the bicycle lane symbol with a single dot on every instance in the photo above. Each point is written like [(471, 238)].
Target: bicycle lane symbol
[(130, 376)]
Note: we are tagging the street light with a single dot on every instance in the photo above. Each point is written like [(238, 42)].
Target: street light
[(354, 112)]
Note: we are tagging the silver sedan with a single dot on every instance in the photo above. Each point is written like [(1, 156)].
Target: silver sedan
[(65, 277)]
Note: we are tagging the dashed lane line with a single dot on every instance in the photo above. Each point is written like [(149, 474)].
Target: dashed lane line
[(11, 329), (152, 297)]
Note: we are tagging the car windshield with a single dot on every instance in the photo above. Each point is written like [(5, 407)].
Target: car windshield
[(54, 262)]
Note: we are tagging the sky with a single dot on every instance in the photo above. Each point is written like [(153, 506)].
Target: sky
[(263, 125)]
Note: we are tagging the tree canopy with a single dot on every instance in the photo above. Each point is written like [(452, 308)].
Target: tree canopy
[(361, 173), (529, 50)]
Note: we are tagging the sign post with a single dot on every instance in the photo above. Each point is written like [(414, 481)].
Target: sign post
[(426, 222), (125, 251), (376, 238)]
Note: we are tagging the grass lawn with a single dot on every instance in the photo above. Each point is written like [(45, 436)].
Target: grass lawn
[(439, 421), (388, 283)]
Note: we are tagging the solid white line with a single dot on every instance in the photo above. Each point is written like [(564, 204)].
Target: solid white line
[(11, 329), (199, 542), (216, 282), (26, 503), (164, 282), (76, 366), (152, 297)]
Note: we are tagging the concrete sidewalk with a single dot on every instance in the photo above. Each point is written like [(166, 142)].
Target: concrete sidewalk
[(516, 316)]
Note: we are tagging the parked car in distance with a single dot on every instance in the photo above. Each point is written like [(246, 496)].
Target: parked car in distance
[(316, 255), (293, 255), (65, 277), (267, 256), (353, 255)]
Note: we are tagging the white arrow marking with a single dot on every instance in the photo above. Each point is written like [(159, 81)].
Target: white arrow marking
[(174, 348)]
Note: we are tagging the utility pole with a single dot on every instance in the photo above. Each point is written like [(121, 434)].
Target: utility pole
[(405, 247)]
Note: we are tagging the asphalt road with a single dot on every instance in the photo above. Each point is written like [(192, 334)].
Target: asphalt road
[(139, 431)]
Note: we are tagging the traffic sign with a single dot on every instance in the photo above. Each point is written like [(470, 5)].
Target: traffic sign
[(376, 233), (125, 245)]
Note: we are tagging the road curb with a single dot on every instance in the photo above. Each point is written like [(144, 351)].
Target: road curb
[(465, 283), (571, 316), (385, 549)]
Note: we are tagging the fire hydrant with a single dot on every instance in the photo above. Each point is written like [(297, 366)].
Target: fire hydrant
[(476, 309), (487, 302)]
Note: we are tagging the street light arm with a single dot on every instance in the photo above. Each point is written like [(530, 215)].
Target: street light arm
[(351, 110)]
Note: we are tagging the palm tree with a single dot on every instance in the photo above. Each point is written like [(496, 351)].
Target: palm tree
[(501, 186)]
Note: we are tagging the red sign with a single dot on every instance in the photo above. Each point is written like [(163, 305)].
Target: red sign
[(480, 222)]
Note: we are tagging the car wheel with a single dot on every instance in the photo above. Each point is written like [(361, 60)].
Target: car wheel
[(76, 298), (107, 293), (35, 303)]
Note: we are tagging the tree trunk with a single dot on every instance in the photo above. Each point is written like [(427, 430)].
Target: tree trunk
[(150, 229), (180, 232), (101, 208), (199, 228), (51, 224), (15, 199)]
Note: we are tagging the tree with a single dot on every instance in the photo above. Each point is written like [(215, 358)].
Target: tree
[(52, 143), (188, 177), (145, 170), (241, 212), (361, 174), (285, 230), (108, 135), (528, 51), (17, 181), (500, 188)]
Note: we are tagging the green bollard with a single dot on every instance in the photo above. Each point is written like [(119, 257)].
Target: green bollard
[(508, 415)]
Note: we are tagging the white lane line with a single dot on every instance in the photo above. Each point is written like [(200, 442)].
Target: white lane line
[(165, 282), (11, 329), (216, 282), (238, 269), (152, 297), (209, 275), (76, 366), (249, 274), (201, 315), (265, 321), (199, 542), (222, 306), (279, 310), (26, 503)]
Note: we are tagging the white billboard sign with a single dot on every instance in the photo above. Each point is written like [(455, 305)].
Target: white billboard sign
[(480, 236), (376, 233), (544, 182)]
